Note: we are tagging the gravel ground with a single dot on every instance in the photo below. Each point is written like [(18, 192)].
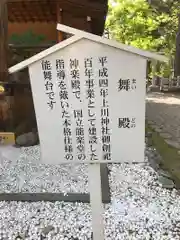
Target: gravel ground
[(140, 207), (163, 113), (22, 171)]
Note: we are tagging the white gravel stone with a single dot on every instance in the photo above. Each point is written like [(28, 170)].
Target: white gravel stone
[(140, 208), (24, 172)]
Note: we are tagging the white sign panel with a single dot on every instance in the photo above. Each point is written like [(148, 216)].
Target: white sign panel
[(90, 104)]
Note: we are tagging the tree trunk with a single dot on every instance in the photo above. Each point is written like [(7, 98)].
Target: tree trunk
[(4, 103), (177, 54), (3, 41)]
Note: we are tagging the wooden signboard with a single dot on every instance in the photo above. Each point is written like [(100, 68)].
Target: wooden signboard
[(89, 98), (7, 138)]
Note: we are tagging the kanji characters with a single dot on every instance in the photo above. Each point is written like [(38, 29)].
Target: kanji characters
[(60, 64), (75, 84), (47, 74), (46, 65), (61, 74), (75, 74), (75, 78), (103, 72), (126, 122), (80, 141), (74, 63), (88, 62), (78, 113), (105, 120), (126, 84), (91, 95), (63, 96), (103, 82), (49, 86), (103, 61)]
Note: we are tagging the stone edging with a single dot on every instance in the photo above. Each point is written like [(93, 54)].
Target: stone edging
[(70, 197)]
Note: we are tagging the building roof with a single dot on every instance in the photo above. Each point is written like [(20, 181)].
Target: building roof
[(46, 11), (78, 35)]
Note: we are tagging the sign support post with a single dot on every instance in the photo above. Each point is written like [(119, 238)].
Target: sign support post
[(96, 201)]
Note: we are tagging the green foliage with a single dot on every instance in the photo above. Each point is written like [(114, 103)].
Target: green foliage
[(133, 22), (150, 25), (27, 38)]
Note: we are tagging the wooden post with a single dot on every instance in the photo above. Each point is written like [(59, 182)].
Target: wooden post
[(154, 72), (59, 20), (3, 41), (95, 189), (4, 101)]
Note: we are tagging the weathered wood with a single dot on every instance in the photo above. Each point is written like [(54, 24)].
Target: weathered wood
[(3, 41), (177, 54), (59, 20)]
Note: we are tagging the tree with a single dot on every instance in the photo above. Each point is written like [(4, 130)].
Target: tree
[(134, 22), (168, 28), (150, 25), (171, 30), (3, 40)]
